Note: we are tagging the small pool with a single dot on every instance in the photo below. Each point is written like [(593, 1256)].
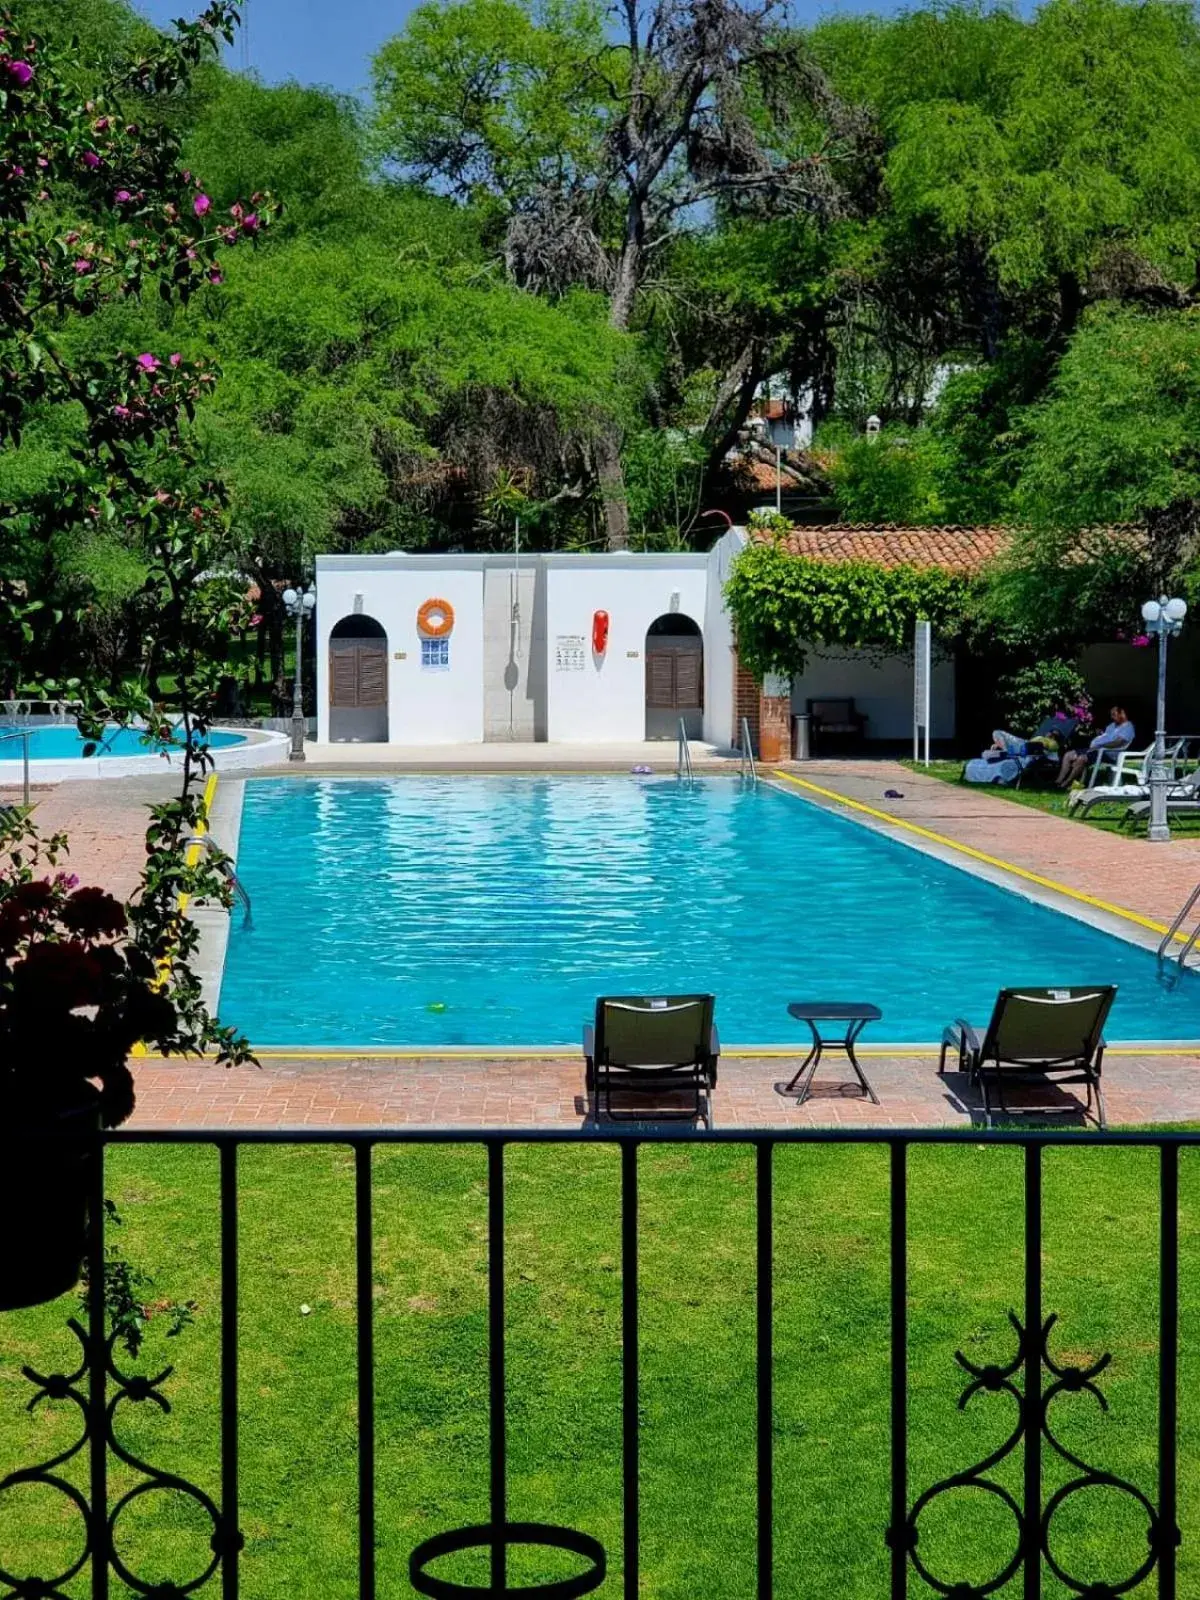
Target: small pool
[(63, 742), (491, 911)]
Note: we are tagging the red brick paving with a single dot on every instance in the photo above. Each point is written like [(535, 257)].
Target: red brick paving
[(512, 1093)]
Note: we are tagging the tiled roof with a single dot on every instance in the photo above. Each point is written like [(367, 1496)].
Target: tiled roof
[(753, 475), (955, 548)]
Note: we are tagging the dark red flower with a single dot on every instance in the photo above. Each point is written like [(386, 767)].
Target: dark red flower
[(94, 913)]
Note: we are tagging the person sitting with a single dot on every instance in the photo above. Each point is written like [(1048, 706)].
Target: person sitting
[(1117, 736)]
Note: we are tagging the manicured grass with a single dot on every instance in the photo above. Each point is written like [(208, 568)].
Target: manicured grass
[(1107, 817), (298, 1419)]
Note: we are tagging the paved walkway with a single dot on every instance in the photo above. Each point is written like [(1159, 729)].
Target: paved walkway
[(508, 1093)]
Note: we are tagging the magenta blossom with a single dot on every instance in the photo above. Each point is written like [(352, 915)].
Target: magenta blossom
[(250, 223), (216, 277), (176, 359), (122, 197), (82, 267), (90, 160), (201, 204), (101, 124), (149, 363), (19, 71), (17, 172), (121, 411), (1140, 641)]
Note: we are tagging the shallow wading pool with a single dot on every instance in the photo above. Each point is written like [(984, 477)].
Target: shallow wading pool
[(434, 912)]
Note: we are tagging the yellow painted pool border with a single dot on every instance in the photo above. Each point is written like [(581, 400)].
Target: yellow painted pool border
[(183, 900), (977, 855), (540, 1053)]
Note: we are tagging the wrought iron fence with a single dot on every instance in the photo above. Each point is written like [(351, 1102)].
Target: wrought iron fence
[(1030, 1381)]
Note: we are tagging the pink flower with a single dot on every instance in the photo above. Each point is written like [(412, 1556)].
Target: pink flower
[(176, 359), (18, 172), (216, 277), (19, 71), (82, 267), (90, 160), (1140, 641), (122, 197), (190, 254), (251, 223), (149, 363), (42, 162), (120, 411), (101, 124), (201, 204)]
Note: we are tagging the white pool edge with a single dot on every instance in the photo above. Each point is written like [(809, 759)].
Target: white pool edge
[(261, 747)]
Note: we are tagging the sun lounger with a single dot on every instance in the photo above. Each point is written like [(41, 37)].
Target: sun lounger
[(1182, 797), (1050, 1036), (640, 1045), (1127, 779)]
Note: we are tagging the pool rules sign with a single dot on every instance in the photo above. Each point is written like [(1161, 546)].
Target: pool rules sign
[(922, 678)]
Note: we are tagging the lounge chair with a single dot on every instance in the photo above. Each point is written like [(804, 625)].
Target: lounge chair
[(1183, 797), (1035, 1036), (1128, 778), (642, 1045), (1011, 771)]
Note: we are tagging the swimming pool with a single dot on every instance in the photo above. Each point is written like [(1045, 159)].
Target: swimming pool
[(63, 742), (491, 911)]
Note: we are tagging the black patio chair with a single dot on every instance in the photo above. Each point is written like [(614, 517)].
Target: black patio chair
[(640, 1045), (1051, 1036), (1043, 768)]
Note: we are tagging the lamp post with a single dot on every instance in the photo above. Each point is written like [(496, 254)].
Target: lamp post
[(1165, 618), (298, 605)]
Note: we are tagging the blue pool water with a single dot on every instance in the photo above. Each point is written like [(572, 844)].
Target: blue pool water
[(63, 743), (457, 911)]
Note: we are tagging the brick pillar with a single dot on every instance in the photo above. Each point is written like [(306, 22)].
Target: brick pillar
[(775, 719), (745, 703)]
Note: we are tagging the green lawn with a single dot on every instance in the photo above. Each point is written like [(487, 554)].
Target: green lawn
[(298, 1427), (1107, 817)]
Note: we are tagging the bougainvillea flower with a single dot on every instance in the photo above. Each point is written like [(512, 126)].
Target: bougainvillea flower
[(250, 223), (121, 411), (216, 277), (148, 363), (91, 159), (1140, 641), (82, 267), (201, 204), (122, 197), (176, 359), (19, 71), (94, 913)]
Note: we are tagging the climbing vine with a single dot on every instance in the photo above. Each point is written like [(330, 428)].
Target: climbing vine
[(780, 603)]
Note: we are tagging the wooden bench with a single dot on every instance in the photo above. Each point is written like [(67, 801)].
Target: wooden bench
[(837, 717)]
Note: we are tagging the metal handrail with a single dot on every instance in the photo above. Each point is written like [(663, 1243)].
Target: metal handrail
[(23, 734), (747, 752), (226, 865), (1168, 938), (683, 758)]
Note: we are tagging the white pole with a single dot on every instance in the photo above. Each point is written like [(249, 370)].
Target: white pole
[(778, 481)]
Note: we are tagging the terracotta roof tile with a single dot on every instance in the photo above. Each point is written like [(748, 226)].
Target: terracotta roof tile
[(957, 549)]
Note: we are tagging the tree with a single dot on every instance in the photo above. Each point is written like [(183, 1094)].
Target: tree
[(96, 207), (597, 151)]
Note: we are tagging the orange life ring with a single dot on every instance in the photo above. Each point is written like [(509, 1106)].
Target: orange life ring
[(435, 619)]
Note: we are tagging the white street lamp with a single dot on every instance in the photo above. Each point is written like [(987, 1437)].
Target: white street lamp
[(1165, 618), (298, 605)]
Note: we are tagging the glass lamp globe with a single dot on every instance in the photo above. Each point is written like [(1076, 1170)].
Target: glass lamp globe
[(1176, 610), (1151, 611), (310, 600), (289, 597)]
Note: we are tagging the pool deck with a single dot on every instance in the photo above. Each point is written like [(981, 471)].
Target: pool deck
[(1142, 884)]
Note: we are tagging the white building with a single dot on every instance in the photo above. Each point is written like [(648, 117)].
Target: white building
[(595, 649)]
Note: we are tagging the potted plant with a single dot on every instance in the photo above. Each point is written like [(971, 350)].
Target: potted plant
[(77, 992)]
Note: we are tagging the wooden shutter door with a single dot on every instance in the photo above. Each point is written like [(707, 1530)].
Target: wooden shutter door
[(660, 680), (343, 689), (372, 674), (688, 680)]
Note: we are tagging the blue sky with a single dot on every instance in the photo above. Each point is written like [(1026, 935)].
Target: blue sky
[(332, 41)]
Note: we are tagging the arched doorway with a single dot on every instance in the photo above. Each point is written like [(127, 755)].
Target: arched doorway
[(358, 682), (674, 677)]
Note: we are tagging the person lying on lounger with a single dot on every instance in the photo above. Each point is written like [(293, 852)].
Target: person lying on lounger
[(1117, 736)]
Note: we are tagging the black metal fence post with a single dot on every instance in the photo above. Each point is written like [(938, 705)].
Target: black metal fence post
[(899, 1354), (630, 1467), (365, 1314), (1031, 1533), (97, 1379), (231, 1538), (765, 1364), (1168, 1367), (496, 1375)]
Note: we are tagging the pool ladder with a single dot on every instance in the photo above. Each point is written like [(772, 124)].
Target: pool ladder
[(748, 768), (239, 888), (683, 758), (1168, 938)]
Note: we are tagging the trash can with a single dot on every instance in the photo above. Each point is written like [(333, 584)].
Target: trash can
[(801, 748)]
